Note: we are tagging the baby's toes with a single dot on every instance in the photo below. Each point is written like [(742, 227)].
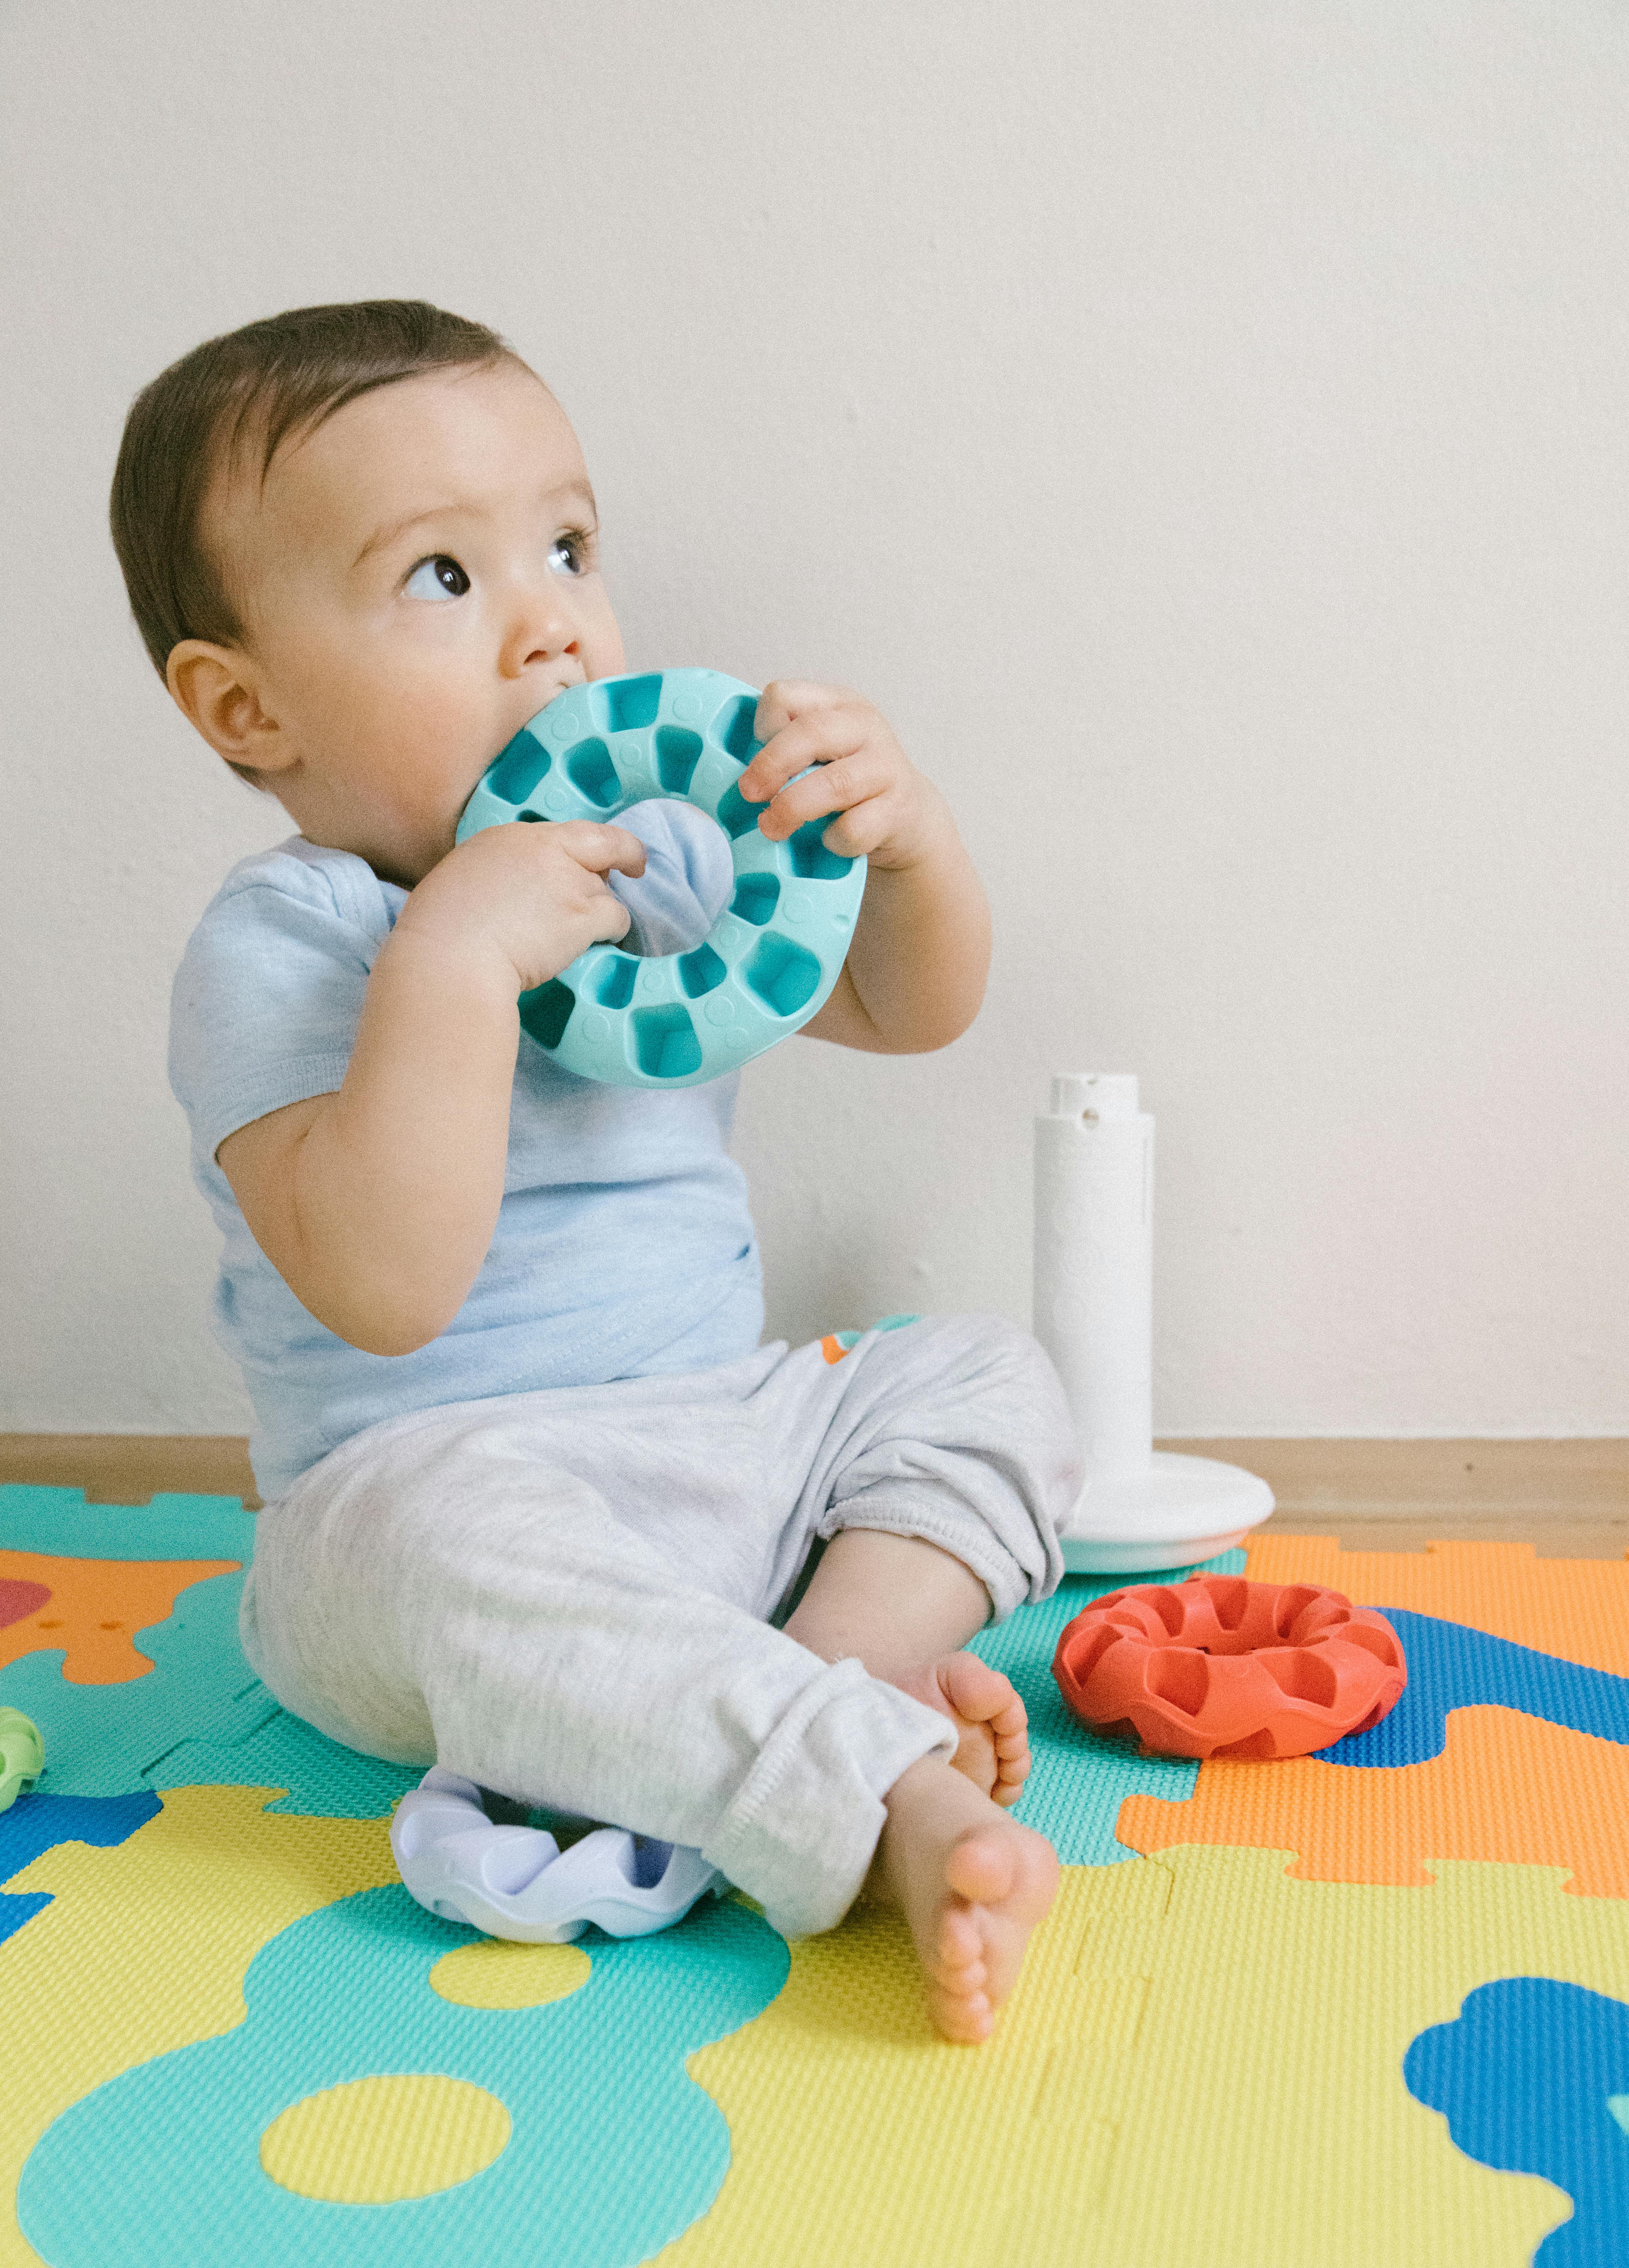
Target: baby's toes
[(958, 1960), (980, 1695), (966, 2018), (968, 2023), (1012, 1763), (957, 1977)]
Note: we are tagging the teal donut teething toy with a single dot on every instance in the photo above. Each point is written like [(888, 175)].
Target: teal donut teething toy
[(771, 957)]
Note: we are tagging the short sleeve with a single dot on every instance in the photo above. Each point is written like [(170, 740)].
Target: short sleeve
[(269, 995)]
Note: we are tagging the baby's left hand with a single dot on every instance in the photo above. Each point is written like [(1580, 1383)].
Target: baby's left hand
[(885, 811)]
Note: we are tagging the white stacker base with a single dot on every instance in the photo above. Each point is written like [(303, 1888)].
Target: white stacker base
[(1140, 1510), (1178, 1511)]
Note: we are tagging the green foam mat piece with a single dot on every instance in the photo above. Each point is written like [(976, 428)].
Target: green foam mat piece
[(1078, 1778), (614, 2150)]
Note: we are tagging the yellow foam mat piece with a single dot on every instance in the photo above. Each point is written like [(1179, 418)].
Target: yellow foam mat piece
[(1577, 1608), (1202, 2062), (495, 1975), (377, 2141), (145, 1946)]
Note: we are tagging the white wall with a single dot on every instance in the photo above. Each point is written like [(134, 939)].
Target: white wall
[(1200, 427)]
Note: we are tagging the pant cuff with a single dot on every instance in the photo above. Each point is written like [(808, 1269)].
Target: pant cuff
[(910, 1513), (802, 1829)]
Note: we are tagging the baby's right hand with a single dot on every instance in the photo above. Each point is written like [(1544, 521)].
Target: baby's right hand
[(534, 894)]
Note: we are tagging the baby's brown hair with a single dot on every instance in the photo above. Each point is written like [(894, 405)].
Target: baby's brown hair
[(284, 375)]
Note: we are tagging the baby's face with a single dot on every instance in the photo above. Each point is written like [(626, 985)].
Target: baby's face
[(416, 578)]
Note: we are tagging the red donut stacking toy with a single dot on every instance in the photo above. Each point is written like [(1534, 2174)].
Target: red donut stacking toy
[(1217, 1667)]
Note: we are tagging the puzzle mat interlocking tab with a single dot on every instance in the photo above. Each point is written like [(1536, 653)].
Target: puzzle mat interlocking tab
[(1204, 2058)]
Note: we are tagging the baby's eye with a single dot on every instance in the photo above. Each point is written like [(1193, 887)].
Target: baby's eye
[(440, 578), (569, 553)]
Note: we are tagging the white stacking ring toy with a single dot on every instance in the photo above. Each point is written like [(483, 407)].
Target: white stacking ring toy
[(772, 956), (517, 1882)]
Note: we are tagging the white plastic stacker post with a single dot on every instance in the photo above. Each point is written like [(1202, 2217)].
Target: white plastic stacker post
[(1139, 1510)]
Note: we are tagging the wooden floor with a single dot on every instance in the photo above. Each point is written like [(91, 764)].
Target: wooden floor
[(1570, 1500)]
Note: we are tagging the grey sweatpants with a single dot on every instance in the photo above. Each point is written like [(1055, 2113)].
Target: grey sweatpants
[(566, 1595)]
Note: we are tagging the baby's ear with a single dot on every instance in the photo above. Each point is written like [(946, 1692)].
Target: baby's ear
[(216, 688)]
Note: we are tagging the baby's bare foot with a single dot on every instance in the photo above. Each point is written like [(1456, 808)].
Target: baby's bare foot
[(972, 1885), (994, 1726)]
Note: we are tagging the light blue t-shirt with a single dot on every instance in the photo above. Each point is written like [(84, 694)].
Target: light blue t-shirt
[(624, 1245)]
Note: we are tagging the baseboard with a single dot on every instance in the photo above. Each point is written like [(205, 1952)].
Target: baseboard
[(1569, 1497), (1475, 1479), (131, 1467)]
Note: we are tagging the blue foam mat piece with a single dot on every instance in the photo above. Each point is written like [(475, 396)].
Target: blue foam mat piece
[(1078, 1777), (38, 1822), (1525, 2076), (614, 2151), (172, 1527), (1450, 1667)]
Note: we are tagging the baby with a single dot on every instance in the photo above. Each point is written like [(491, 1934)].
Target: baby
[(538, 1505)]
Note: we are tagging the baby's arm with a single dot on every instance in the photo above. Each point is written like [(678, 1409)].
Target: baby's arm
[(916, 969), (376, 1204)]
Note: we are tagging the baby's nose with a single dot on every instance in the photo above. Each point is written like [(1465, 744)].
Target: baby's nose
[(541, 630)]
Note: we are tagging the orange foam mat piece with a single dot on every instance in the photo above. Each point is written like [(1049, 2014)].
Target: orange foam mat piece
[(1507, 1788), (95, 1608), (1577, 1608)]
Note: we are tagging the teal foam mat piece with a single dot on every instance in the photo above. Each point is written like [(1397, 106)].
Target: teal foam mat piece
[(198, 1718), (255, 1742), (59, 1520), (614, 2149), (99, 1738), (1078, 1778)]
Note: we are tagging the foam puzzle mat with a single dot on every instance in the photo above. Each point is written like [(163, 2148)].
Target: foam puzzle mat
[(1366, 2006)]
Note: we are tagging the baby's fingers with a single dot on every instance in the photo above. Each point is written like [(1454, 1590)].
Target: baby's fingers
[(785, 698), (818, 737), (838, 785), (601, 850), (863, 827)]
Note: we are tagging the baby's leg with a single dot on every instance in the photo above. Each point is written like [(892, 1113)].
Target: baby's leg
[(442, 1593), (905, 1609), (945, 1460), (949, 1457), (972, 1884)]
